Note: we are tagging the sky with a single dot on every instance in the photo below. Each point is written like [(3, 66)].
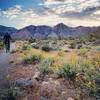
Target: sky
[(21, 13)]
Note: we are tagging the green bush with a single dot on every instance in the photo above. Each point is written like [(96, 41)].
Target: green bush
[(45, 66), (92, 37), (89, 81), (26, 60), (94, 87), (83, 51), (26, 47), (72, 45), (33, 58), (67, 71), (37, 58), (89, 89), (11, 94)]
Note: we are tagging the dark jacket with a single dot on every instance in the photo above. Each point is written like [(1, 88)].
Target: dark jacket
[(7, 38)]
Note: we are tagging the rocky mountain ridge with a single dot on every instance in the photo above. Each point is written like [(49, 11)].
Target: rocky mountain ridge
[(58, 31)]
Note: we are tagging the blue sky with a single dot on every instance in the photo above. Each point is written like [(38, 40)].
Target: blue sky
[(4, 4), (21, 13)]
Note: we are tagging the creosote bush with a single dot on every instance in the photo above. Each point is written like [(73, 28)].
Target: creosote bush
[(45, 66), (11, 94), (67, 71), (72, 45), (87, 81), (37, 58), (26, 47), (83, 51), (26, 60), (34, 58)]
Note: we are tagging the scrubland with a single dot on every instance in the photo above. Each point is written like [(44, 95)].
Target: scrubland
[(55, 70)]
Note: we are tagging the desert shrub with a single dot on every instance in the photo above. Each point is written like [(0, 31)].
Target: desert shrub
[(83, 51), (87, 81), (26, 60), (26, 47), (95, 60), (92, 37), (72, 45), (67, 71), (46, 48), (11, 94), (89, 89), (34, 58), (93, 85), (37, 58), (45, 66)]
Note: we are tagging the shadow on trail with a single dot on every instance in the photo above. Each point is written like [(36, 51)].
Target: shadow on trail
[(4, 65)]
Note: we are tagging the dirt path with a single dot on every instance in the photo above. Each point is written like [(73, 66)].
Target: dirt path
[(4, 65)]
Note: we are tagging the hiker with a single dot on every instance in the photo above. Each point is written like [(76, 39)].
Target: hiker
[(7, 39)]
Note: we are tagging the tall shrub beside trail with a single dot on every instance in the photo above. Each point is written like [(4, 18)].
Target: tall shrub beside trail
[(35, 58), (26, 47), (67, 71), (45, 66)]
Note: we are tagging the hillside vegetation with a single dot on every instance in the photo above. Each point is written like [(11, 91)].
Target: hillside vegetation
[(56, 69)]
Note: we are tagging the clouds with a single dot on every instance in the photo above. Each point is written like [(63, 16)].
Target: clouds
[(12, 12), (19, 18), (84, 14), (52, 12), (78, 3), (74, 9), (63, 6)]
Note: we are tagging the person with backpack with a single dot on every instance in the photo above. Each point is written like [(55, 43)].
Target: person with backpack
[(7, 39)]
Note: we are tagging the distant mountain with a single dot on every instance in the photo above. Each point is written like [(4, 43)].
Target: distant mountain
[(65, 31), (59, 31), (4, 29), (42, 31), (62, 30), (33, 31), (26, 32)]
